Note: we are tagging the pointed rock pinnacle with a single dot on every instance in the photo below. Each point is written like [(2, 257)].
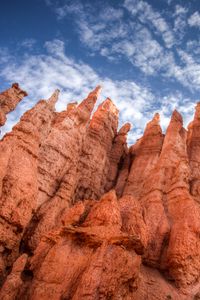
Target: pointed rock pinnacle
[(53, 99)]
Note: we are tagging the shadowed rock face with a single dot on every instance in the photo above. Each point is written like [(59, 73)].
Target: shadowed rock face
[(82, 216)]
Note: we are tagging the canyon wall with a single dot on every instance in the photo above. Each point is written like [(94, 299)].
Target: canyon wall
[(84, 216)]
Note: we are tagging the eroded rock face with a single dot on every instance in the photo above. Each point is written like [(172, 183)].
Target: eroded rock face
[(19, 152), (9, 100), (58, 170), (82, 216), (95, 161), (182, 254), (93, 240), (145, 154), (193, 147)]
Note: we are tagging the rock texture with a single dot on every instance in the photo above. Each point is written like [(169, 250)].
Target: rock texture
[(84, 216), (9, 100), (19, 152)]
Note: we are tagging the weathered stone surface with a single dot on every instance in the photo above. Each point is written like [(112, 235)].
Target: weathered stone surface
[(95, 162), (133, 222), (123, 173), (82, 215), (145, 154), (153, 286), (58, 163), (118, 151), (96, 247), (19, 151), (9, 100), (14, 281), (140, 184), (182, 254), (60, 153), (193, 148)]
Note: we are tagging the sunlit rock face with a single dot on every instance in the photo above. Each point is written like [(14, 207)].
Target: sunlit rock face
[(9, 100), (84, 216)]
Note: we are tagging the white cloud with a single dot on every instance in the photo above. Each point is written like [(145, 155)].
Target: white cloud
[(179, 26), (134, 31), (187, 73), (193, 47), (180, 10), (180, 22), (113, 36), (109, 31), (194, 19), (148, 15)]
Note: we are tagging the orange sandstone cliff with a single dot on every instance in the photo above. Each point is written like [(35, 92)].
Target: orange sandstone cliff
[(84, 216)]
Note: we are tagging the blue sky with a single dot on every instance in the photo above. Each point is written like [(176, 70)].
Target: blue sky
[(145, 54)]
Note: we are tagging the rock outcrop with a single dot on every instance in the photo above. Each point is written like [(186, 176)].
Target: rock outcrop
[(84, 216), (19, 152), (95, 157), (9, 100)]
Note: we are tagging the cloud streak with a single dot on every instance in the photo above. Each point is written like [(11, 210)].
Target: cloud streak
[(135, 31)]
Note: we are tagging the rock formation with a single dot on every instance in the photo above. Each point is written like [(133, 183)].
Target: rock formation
[(19, 151), (9, 100), (84, 216)]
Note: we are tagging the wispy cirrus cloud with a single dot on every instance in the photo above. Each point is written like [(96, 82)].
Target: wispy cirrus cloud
[(112, 36), (145, 38), (144, 52), (147, 15)]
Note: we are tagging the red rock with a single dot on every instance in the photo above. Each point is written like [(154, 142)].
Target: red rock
[(118, 151), (9, 100), (96, 248), (193, 147), (182, 255), (60, 152), (94, 162), (82, 215), (152, 285), (123, 172), (14, 281), (145, 155), (133, 222), (19, 151), (143, 185), (58, 164)]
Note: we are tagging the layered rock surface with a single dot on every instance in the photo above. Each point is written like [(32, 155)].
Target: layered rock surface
[(82, 216)]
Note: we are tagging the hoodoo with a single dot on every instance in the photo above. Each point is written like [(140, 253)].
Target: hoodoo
[(85, 216)]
